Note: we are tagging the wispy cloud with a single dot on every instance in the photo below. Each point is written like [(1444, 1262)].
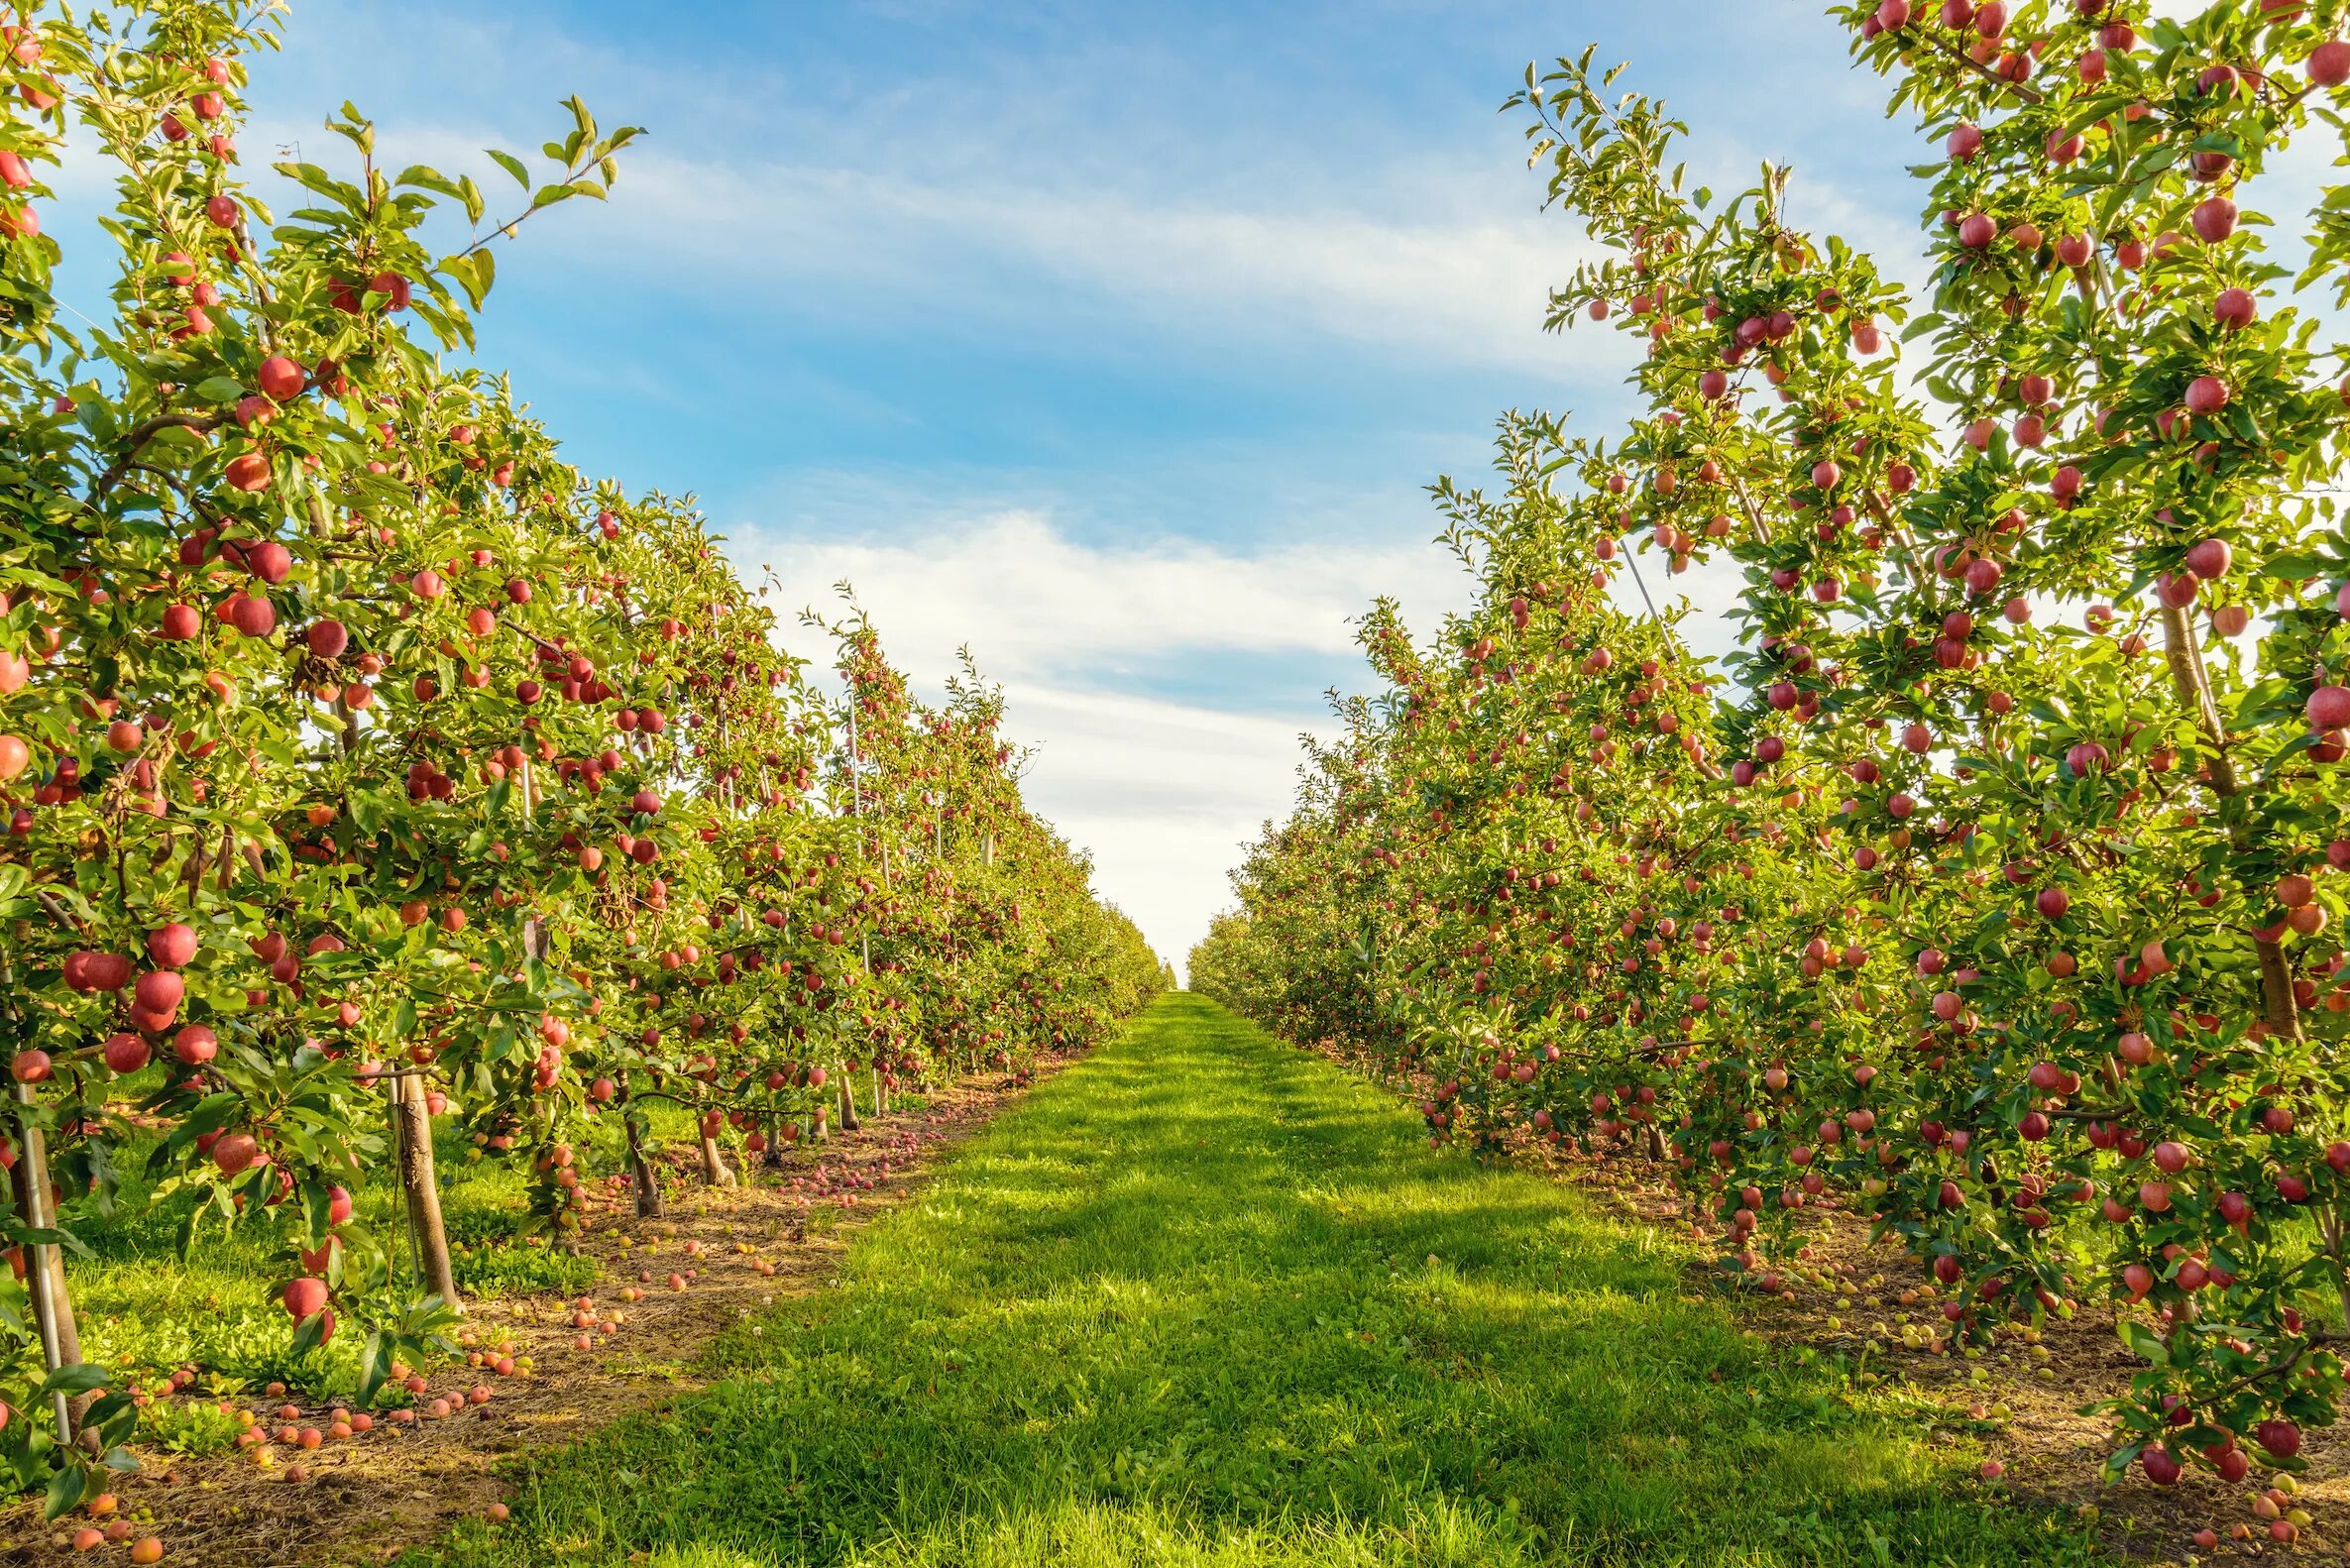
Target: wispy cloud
[(1039, 249), (1033, 601)]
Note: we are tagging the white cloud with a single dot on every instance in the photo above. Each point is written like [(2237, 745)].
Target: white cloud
[(1033, 601), (1042, 246), (1163, 791), (1162, 794)]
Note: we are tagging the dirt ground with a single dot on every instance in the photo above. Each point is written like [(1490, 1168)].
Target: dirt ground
[(365, 1497)]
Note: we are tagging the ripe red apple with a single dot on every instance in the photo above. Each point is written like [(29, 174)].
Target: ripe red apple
[(172, 947), (252, 615), (2209, 558), (279, 378), (2328, 707), (126, 1053), (158, 991), (392, 284), (304, 1297), (196, 1044), (2206, 394), (2214, 219)]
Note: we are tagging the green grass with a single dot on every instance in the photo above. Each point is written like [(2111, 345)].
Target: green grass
[(1203, 1300), (140, 1306)]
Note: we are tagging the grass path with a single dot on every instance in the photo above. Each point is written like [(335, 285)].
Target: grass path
[(1203, 1300)]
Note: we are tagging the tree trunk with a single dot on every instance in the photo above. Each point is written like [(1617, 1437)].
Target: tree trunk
[(642, 1176), (713, 1164), (848, 1121), (773, 1158), (2185, 654), (422, 1191), (2331, 1228)]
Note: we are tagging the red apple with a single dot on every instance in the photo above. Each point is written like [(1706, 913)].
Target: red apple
[(279, 378)]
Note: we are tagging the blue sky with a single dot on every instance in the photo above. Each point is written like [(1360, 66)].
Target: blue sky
[(1117, 340)]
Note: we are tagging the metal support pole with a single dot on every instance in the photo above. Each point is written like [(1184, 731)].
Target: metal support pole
[(35, 1156), (1632, 562)]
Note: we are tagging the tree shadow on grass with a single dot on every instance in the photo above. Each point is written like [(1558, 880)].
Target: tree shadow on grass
[(1202, 1300)]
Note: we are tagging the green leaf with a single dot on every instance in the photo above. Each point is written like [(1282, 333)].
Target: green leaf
[(512, 165), (474, 272), (77, 1377), (2292, 566), (66, 1488), (2143, 1342)]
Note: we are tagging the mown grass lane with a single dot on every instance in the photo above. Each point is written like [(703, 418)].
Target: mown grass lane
[(1203, 1300)]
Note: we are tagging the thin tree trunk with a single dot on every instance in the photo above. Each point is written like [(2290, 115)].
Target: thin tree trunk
[(848, 1121), (2185, 654), (642, 1176), (773, 1158), (714, 1164), (422, 1191), (395, 1118), (2332, 1228)]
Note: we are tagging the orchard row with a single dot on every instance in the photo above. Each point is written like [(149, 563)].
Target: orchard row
[(361, 764), (1990, 880)]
